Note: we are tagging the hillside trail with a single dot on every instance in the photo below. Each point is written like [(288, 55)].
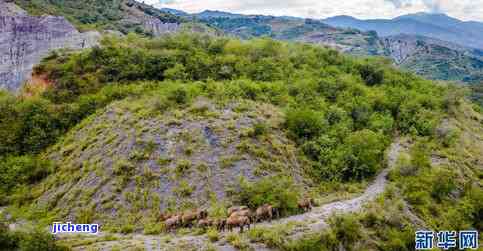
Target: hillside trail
[(312, 221), (318, 215)]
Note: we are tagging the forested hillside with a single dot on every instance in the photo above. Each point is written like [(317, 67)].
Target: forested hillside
[(136, 127), (426, 56)]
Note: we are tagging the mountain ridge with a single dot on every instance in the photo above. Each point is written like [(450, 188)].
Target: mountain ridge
[(426, 54), (439, 26)]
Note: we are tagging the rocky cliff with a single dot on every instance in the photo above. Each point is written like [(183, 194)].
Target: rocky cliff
[(139, 14), (25, 40)]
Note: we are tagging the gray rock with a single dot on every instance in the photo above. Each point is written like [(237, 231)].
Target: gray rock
[(25, 40), (158, 28)]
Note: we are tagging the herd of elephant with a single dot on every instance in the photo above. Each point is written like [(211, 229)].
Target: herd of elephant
[(238, 216)]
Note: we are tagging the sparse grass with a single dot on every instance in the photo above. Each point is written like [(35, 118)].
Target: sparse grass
[(138, 155), (163, 161), (86, 215), (228, 161), (273, 237), (182, 167), (184, 189), (259, 129), (188, 150), (213, 234), (153, 228), (237, 241), (127, 228), (202, 167), (123, 167)]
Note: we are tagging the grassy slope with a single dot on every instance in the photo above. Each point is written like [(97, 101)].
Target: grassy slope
[(137, 157), (339, 111)]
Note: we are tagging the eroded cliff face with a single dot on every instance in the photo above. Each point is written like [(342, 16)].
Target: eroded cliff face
[(135, 14), (158, 28), (25, 40)]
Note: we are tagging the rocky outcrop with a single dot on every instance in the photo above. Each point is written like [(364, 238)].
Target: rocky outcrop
[(159, 28), (25, 40), (137, 13)]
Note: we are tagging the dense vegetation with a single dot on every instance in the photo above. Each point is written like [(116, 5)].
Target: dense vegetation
[(293, 29), (27, 241), (101, 15), (427, 58), (341, 112)]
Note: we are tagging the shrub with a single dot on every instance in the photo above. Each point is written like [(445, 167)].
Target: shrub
[(237, 241), (273, 237), (28, 241), (22, 170), (443, 184), (179, 95), (184, 189), (153, 228), (278, 191), (404, 166), (213, 235), (317, 242), (347, 229), (371, 74), (123, 167), (182, 167), (305, 124), (8, 240), (364, 154), (127, 228), (177, 72), (86, 215), (259, 129)]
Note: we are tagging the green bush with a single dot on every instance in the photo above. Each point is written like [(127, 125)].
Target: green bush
[(347, 229), (260, 129), (364, 154), (153, 228), (213, 235), (8, 240), (371, 74), (305, 124), (28, 241), (179, 95), (443, 184), (22, 170), (278, 191)]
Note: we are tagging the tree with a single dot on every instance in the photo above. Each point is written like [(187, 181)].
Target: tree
[(364, 154), (305, 124)]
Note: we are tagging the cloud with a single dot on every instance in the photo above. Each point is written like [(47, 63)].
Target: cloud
[(400, 3), (434, 6), (366, 9)]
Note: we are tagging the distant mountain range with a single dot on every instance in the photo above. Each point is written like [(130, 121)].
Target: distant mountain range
[(440, 26), (414, 42)]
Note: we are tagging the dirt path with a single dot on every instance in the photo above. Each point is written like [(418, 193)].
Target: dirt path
[(316, 218), (312, 221)]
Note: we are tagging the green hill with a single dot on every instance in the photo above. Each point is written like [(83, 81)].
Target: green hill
[(137, 127), (428, 57), (294, 29), (436, 59)]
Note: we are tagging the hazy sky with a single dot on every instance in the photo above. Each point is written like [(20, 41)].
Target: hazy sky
[(462, 9)]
